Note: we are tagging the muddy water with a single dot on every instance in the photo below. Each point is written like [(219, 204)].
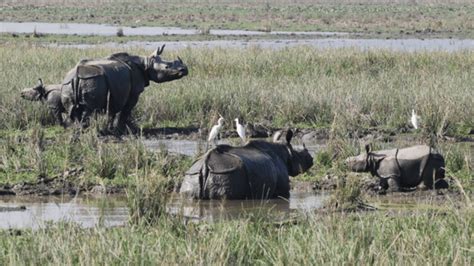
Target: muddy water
[(86, 212), (212, 210), (197, 147), (109, 30), (36, 212), (408, 45)]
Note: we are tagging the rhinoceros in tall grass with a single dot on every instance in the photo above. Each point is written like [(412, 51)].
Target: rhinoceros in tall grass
[(416, 166), (257, 170), (49, 95), (114, 84)]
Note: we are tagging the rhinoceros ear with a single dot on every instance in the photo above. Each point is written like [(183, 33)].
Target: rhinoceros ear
[(158, 51), (289, 136), (40, 82)]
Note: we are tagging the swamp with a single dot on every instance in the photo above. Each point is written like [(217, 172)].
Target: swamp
[(340, 74)]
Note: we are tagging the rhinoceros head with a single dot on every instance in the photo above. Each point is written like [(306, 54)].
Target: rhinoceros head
[(299, 160), (162, 71), (34, 94), (364, 162)]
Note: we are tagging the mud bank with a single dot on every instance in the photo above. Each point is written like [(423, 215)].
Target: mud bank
[(66, 183)]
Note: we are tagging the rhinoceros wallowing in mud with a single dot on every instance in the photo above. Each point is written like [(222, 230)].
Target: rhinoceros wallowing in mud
[(48, 94), (402, 168), (257, 170), (114, 84)]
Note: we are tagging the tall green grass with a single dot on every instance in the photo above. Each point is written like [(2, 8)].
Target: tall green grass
[(293, 86), (344, 90), (406, 237)]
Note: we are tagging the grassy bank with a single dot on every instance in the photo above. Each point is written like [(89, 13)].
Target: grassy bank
[(418, 237), (299, 86), (366, 16)]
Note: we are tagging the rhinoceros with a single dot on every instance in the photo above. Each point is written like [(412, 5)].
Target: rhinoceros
[(113, 84), (48, 94), (407, 168), (258, 170)]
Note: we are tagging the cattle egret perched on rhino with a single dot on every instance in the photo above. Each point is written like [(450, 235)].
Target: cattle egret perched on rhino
[(414, 119), (258, 170), (215, 131), (240, 130)]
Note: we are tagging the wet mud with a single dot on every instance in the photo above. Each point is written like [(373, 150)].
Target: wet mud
[(66, 183)]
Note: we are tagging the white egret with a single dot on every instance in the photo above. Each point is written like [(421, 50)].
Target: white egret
[(215, 131), (240, 130), (414, 119)]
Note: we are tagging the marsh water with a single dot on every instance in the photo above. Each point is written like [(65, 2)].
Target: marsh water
[(111, 211), (321, 39), (110, 30), (196, 147)]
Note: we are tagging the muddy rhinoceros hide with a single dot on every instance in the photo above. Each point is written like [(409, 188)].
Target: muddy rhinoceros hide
[(402, 168), (114, 84), (257, 170), (49, 95)]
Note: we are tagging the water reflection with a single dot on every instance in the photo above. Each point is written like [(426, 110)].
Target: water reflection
[(85, 212), (112, 211), (212, 210), (196, 147)]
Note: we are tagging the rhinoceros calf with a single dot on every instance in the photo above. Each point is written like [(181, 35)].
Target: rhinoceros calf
[(114, 84), (257, 170), (48, 94), (417, 166)]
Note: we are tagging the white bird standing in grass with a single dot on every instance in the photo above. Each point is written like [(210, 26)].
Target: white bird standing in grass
[(240, 130), (215, 131), (414, 119)]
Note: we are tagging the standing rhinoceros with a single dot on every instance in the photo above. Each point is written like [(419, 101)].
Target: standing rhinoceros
[(114, 84), (48, 94), (257, 170), (403, 168)]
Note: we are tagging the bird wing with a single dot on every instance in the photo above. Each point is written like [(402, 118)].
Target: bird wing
[(213, 133), (241, 131)]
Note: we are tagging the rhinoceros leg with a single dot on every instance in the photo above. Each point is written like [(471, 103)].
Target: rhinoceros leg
[(433, 171), (59, 117), (126, 112), (283, 187), (85, 117)]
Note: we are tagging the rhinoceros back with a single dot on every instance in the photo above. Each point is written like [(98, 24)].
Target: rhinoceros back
[(98, 84), (233, 173), (216, 175), (412, 165)]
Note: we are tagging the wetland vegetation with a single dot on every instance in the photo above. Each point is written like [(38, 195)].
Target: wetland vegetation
[(352, 96), (380, 17)]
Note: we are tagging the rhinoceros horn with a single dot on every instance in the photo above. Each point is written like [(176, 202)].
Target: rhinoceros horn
[(158, 51), (181, 61)]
